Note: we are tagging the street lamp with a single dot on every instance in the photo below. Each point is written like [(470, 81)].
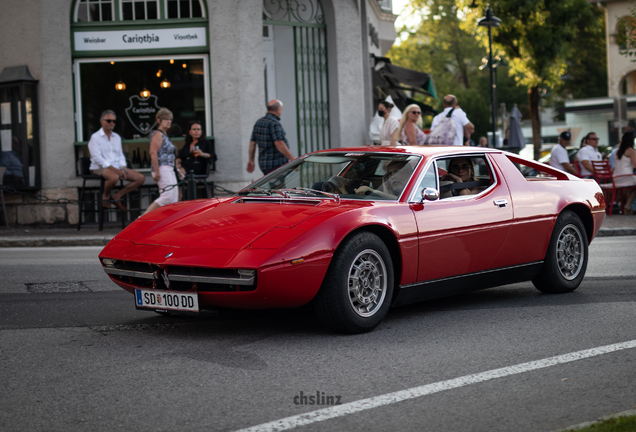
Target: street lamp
[(491, 21)]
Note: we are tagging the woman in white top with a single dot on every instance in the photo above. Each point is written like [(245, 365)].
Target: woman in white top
[(389, 132), (624, 168)]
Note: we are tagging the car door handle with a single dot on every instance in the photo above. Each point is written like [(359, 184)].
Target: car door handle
[(501, 202)]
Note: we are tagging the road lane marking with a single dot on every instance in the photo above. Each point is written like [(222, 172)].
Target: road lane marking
[(415, 392)]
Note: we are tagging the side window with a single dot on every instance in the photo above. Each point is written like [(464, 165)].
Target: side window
[(461, 175), (428, 181)]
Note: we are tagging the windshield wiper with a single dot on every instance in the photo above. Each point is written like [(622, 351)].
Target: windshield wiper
[(259, 189), (313, 192)]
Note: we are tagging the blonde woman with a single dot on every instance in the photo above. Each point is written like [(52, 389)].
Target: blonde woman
[(411, 126), (162, 156)]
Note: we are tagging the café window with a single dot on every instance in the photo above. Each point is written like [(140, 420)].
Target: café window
[(94, 10), (136, 10), (139, 9), (135, 88), (184, 9)]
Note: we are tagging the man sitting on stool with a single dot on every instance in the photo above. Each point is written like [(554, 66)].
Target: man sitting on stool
[(108, 160)]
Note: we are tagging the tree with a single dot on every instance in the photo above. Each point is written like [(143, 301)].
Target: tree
[(536, 36), (448, 44), (586, 73)]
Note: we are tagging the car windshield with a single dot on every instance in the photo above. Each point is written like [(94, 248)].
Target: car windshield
[(351, 175)]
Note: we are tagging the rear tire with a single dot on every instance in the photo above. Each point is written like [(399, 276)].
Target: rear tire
[(566, 259), (357, 290)]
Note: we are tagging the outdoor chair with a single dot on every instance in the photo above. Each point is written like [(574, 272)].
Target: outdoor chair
[(577, 167), (198, 180), (86, 174), (202, 179), (603, 175)]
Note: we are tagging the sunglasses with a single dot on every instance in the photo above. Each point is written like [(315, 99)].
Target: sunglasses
[(110, 120), (457, 167), (416, 112), (593, 139)]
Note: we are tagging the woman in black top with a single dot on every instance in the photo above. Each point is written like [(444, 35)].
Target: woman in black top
[(191, 159)]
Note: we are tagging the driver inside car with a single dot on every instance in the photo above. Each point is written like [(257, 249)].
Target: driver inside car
[(394, 181)]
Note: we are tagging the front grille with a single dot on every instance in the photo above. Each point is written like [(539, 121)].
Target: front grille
[(180, 278)]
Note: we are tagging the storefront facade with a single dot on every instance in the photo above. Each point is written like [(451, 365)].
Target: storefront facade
[(215, 61)]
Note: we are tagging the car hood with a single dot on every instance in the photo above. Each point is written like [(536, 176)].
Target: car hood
[(232, 225)]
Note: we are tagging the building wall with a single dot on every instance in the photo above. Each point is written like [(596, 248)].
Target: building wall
[(237, 84), (618, 64), (346, 92), (38, 33)]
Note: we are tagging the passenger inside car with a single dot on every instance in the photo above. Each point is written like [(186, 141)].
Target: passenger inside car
[(394, 181)]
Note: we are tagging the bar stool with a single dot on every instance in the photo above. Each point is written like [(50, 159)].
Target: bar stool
[(85, 172)]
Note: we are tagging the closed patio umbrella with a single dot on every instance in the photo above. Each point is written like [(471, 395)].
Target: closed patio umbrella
[(516, 141)]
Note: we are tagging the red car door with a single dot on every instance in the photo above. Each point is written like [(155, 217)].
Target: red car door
[(464, 234)]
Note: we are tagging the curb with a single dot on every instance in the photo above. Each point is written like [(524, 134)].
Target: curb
[(53, 241), (611, 232), (600, 420)]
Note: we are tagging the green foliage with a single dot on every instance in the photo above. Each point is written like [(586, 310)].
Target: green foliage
[(553, 45), (536, 36), (619, 424), (586, 73), (450, 46)]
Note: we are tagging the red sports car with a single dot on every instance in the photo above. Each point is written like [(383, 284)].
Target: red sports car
[(356, 230)]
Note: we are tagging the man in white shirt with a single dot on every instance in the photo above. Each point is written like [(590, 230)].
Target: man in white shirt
[(587, 154), (462, 124), (108, 160), (559, 156)]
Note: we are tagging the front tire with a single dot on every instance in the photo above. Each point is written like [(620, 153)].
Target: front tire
[(566, 259), (357, 290)]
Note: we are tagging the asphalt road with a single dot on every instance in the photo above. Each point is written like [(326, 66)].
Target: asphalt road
[(87, 360)]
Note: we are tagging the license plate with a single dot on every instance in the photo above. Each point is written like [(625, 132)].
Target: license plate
[(161, 300)]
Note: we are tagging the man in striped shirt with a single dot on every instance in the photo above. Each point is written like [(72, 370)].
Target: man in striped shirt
[(269, 135)]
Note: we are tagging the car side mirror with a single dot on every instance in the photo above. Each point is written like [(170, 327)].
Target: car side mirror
[(430, 194)]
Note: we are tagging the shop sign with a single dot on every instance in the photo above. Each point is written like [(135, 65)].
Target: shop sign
[(141, 39), (141, 113)]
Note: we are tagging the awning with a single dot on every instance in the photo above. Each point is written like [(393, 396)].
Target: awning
[(400, 83)]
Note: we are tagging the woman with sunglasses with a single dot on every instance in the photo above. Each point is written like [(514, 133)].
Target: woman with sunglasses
[(461, 170), (411, 126)]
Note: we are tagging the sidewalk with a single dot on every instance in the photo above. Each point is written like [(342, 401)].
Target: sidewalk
[(615, 225)]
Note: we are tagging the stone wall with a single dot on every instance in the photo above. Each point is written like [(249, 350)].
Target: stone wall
[(31, 210)]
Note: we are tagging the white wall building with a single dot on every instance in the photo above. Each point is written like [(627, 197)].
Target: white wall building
[(217, 61)]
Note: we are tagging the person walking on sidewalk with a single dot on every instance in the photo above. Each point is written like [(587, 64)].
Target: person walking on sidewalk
[(269, 135), (108, 160), (162, 156)]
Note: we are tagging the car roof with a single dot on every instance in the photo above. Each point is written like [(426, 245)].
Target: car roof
[(426, 151)]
